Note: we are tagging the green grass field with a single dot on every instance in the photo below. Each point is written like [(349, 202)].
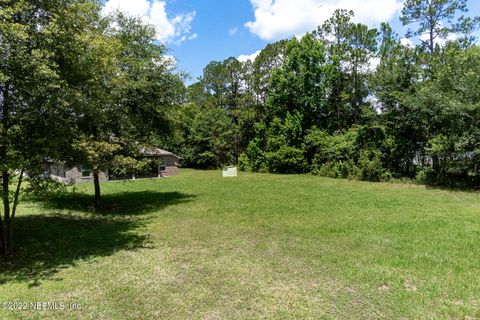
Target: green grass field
[(198, 246)]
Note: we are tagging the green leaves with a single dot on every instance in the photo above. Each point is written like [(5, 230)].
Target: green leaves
[(98, 155)]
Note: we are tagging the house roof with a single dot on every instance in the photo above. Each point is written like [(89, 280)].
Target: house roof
[(153, 152)]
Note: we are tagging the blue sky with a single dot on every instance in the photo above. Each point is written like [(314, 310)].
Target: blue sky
[(199, 31), (221, 34)]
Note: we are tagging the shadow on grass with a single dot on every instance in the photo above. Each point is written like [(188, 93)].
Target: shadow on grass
[(46, 243), (117, 204)]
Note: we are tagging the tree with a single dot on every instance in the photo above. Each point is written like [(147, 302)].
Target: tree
[(206, 138), (269, 59), (127, 89), (396, 80), (35, 101), (452, 98), (300, 85), (89, 61), (98, 156), (345, 101), (228, 85), (437, 19), (351, 49)]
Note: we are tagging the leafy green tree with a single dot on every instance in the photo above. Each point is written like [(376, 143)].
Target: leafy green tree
[(286, 160), (452, 98), (212, 138), (126, 91), (89, 62), (270, 58), (395, 82), (36, 105), (98, 156), (300, 85), (277, 147), (348, 101), (228, 85)]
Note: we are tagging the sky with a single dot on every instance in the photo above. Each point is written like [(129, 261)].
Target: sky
[(199, 31)]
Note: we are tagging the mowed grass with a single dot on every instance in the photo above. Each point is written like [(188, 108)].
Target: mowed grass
[(259, 246)]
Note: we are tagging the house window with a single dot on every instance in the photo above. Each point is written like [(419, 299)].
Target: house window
[(86, 173), (162, 165)]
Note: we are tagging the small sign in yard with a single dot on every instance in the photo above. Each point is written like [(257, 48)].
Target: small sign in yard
[(230, 171)]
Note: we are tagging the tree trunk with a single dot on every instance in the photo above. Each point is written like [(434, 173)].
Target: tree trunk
[(2, 237), (355, 92), (13, 211), (6, 212), (4, 225), (432, 43), (96, 182)]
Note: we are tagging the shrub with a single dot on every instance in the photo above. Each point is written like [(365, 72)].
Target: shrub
[(43, 188), (286, 160), (428, 176), (255, 156), (244, 163), (370, 164), (339, 169), (388, 176)]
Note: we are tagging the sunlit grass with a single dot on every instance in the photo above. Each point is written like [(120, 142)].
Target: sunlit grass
[(256, 246)]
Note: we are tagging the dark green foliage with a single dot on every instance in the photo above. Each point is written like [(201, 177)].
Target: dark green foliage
[(339, 169), (255, 157), (370, 165), (213, 138), (38, 101), (286, 160), (44, 188), (360, 153), (244, 163), (204, 137), (336, 154), (270, 58), (76, 86), (347, 101), (300, 84)]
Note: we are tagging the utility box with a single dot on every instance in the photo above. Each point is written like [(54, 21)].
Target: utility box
[(230, 171)]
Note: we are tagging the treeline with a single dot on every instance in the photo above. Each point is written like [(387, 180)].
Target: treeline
[(346, 101)]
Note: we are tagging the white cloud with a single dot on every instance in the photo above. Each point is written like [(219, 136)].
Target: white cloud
[(276, 19), (155, 13), (184, 38), (406, 42), (170, 62), (233, 31), (246, 57), (170, 59), (373, 63), (441, 41)]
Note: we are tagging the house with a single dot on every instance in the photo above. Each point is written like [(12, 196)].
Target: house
[(164, 164)]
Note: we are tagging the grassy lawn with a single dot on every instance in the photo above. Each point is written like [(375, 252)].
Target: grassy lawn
[(198, 246)]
